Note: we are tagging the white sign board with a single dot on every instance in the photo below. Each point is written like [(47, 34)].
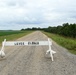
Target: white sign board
[(27, 43)]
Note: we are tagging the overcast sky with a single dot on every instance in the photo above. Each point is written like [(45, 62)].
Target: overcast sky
[(17, 14)]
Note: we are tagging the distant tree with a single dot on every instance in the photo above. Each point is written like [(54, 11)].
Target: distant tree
[(59, 29), (28, 28), (72, 30), (66, 30), (22, 29), (34, 28)]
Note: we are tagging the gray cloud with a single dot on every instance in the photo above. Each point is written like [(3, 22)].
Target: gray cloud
[(42, 13), (11, 4)]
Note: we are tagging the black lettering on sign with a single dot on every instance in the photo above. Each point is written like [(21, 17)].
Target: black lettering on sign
[(29, 43), (19, 43), (33, 43)]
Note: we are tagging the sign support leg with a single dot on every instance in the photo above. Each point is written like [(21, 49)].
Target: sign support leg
[(50, 50), (2, 54)]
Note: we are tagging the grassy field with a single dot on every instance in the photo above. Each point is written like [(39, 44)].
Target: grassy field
[(66, 42), (9, 32), (12, 35)]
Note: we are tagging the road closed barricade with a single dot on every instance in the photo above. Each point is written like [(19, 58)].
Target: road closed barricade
[(27, 43)]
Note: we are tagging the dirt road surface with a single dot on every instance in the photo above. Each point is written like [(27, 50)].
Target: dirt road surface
[(32, 60)]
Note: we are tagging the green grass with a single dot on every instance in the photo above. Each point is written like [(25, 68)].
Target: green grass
[(66, 42), (12, 35), (3, 33)]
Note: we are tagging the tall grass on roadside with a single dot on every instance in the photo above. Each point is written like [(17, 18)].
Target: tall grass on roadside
[(66, 42)]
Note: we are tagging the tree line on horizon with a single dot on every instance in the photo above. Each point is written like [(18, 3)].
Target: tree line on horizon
[(65, 29)]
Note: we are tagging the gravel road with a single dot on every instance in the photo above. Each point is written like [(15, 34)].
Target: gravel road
[(32, 60)]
